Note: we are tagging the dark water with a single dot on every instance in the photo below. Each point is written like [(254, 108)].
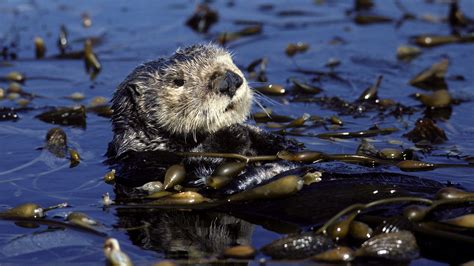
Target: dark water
[(132, 33)]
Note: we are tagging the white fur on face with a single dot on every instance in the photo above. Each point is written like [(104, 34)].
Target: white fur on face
[(194, 108)]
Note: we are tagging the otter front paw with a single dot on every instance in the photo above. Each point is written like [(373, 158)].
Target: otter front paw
[(234, 139)]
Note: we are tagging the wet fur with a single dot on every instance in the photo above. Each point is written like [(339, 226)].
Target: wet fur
[(153, 118), (152, 113)]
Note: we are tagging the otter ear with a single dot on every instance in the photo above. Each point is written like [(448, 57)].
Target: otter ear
[(125, 100), (135, 95), (132, 93)]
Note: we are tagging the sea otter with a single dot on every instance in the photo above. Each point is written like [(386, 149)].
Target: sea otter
[(196, 100)]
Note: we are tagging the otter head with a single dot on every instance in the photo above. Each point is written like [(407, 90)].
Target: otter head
[(198, 89)]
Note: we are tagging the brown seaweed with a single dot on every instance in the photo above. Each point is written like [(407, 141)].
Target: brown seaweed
[(68, 116), (101, 110), (109, 177), (371, 93), (453, 193), (405, 52), (466, 221), (281, 187), (174, 176), (240, 252), (92, 63), (226, 37), (437, 99), (14, 76), (56, 142), (114, 255), (231, 169), (371, 19), (358, 134), (40, 48), (298, 246), (8, 114), (202, 19), (398, 246), (456, 17), (181, 198), (81, 219), (426, 130), (271, 89), (363, 4), (270, 116), (360, 231), (294, 48), (432, 78), (29, 210), (63, 41), (338, 254), (305, 88), (74, 158), (259, 73)]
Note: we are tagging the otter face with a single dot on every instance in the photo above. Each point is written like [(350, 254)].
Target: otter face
[(199, 89)]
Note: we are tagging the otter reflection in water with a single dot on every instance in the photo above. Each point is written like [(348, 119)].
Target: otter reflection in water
[(183, 234)]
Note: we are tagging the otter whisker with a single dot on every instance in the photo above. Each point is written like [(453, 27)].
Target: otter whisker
[(256, 83), (261, 107), (266, 98)]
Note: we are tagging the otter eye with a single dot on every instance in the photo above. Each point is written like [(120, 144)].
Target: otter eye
[(178, 82)]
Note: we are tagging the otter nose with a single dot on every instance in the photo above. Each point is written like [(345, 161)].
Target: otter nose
[(229, 83)]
